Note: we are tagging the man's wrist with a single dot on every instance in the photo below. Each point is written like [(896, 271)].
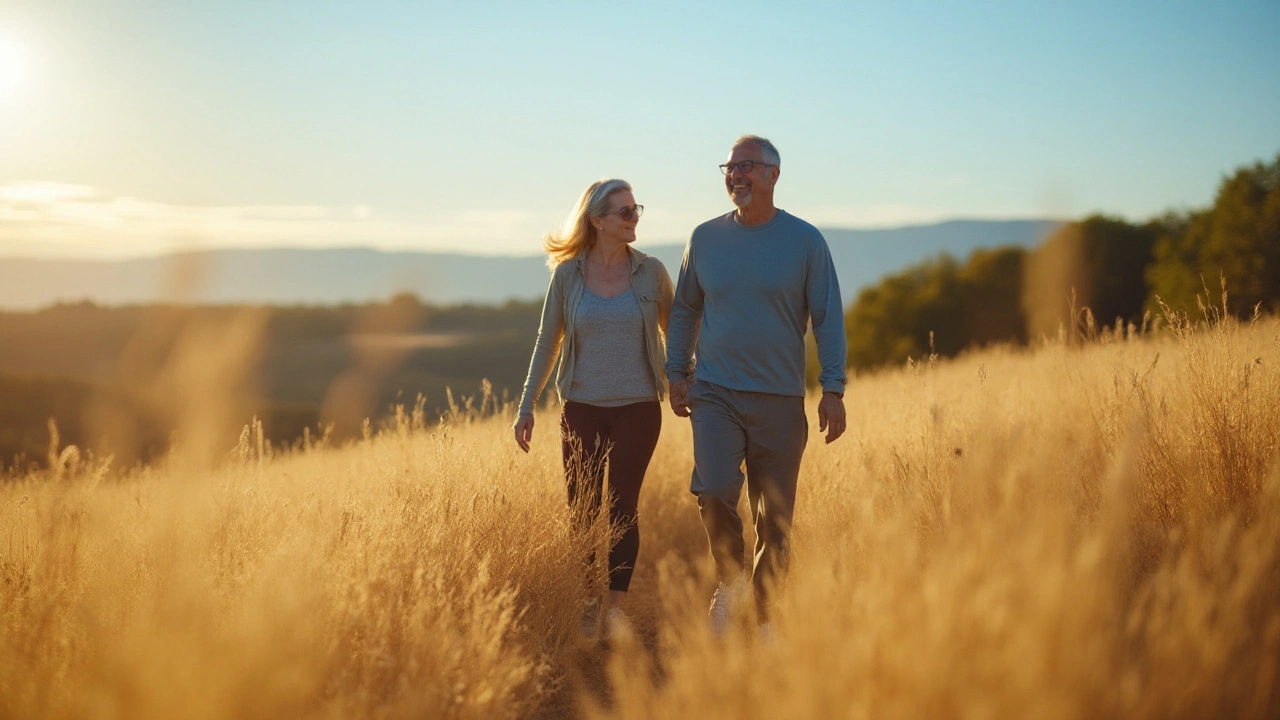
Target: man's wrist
[(674, 375), (838, 393)]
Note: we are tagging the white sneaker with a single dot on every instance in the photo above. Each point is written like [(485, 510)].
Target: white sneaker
[(590, 622), (723, 603)]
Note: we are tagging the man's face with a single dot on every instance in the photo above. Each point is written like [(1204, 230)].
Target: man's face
[(743, 187)]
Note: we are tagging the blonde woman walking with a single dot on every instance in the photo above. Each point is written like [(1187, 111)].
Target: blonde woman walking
[(605, 317)]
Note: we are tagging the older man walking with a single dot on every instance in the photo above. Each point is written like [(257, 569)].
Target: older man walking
[(751, 282)]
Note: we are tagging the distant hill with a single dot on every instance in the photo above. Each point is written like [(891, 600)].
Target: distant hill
[(355, 275)]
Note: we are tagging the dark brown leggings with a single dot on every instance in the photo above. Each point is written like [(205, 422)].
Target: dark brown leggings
[(625, 437)]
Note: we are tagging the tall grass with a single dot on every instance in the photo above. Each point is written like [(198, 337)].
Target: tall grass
[(1068, 532)]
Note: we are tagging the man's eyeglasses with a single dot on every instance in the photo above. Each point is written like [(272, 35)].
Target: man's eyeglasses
[(746, 166), (628, 213)]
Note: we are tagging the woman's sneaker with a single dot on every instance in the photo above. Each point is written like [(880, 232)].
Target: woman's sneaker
[(723, 603), (590, 622)]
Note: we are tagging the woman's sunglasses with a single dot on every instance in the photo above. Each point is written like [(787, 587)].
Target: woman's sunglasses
[(629, 214)]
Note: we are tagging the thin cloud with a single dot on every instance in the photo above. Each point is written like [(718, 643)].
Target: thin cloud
[(65, 220), (885, 216), (37, 193)]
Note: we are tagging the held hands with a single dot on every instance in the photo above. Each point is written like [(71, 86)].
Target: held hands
[(679, 397), (830, 416), (524, 431)]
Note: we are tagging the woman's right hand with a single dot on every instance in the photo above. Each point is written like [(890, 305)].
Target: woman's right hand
[(524, 431)]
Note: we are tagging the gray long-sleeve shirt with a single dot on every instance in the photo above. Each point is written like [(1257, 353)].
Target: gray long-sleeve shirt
[(743, 300)]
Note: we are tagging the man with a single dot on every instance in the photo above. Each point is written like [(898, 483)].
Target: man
[(750, 283)]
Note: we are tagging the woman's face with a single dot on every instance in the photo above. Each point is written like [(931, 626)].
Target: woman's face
[(620, 220)]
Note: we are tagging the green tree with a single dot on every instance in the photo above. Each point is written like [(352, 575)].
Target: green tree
[(1237, 240), (1100, 262), (990, 294), (937, 306), (884, 326)]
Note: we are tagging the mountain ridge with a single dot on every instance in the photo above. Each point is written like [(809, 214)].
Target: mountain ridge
[(289, 276)]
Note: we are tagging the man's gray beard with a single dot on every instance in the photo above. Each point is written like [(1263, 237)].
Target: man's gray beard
[(740, 201)]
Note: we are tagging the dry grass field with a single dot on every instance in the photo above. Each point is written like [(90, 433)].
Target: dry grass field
[(1082, 530)]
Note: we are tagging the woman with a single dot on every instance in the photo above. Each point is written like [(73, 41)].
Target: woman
[(604, 308)]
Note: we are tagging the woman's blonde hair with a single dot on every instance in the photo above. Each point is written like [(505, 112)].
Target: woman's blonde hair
[(578, 234)]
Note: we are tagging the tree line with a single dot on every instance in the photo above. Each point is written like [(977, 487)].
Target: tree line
[(1104, 270)]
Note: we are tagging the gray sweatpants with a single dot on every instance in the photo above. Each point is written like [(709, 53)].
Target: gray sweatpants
[(768, 432)]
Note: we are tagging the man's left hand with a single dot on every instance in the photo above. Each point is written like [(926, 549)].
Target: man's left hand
[(831, 416)]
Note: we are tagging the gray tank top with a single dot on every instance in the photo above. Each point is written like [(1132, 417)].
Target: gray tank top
[(612, 364)]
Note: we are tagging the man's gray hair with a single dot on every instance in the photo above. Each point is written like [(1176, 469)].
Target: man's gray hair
[(767, 150)]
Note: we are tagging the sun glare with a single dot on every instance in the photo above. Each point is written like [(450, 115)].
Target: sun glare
[(13, 66)]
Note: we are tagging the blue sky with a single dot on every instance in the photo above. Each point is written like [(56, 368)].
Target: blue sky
[(137, 127)]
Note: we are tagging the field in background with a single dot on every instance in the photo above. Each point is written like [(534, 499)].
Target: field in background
[(121, 381), (1069, 532)]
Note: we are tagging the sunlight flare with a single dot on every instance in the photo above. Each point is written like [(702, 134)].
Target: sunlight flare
[(14, 66)]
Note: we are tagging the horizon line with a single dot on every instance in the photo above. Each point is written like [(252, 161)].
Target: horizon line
[(666, 242)]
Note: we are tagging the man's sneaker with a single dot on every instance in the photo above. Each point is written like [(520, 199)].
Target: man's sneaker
[(590, 623), (616, 622), (723, 603)]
